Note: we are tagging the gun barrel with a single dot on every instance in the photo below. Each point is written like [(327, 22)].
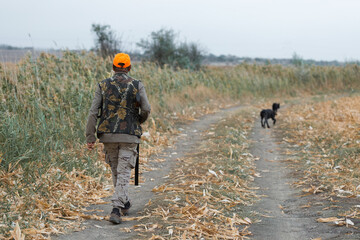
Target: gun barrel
[(137, 167)]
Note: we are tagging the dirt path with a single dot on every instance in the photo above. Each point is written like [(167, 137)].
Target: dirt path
[(279, 210), (274, 186), (142, 194)]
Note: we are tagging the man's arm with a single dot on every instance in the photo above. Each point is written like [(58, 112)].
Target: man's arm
[(144, 104), (92, 118)]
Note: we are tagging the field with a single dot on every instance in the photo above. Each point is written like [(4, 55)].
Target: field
[(47, 176)]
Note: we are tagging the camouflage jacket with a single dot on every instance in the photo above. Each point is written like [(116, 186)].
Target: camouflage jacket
[(120, 106)]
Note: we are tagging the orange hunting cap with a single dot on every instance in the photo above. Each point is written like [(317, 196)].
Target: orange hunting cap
[(122, 60)]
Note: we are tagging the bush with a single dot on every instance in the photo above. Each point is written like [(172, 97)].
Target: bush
[(106, 41), (162, 47)]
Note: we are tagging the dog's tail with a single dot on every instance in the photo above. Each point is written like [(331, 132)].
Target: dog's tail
[(262, 113)]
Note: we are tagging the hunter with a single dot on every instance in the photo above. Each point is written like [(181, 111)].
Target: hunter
[(121, 104)]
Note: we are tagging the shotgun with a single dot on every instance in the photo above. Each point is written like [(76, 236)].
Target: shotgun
[(137, 166)]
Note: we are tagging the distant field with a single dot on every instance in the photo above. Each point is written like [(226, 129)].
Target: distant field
[(15, 55)]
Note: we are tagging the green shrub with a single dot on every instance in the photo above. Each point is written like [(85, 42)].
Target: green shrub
[(162, 48)]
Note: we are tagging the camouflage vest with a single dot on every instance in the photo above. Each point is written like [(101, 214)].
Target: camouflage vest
[(120, 106)]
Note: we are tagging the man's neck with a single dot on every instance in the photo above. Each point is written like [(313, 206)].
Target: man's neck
[(121, 71)]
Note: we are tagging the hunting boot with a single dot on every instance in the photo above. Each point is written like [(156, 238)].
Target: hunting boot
[(125, 209), (115, 216)]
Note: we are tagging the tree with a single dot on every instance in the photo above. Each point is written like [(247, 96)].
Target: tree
[(189, 56), (297, 60), (106, 41), (162, 47)]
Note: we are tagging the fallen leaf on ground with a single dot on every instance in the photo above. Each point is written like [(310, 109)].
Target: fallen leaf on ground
[(16, 233), (329, 219)]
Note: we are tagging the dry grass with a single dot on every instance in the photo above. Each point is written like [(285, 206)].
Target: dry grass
[(207, 188), (326, 137), (58, 197)]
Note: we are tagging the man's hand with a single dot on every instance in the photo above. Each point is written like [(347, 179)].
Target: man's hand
[(90, 146)]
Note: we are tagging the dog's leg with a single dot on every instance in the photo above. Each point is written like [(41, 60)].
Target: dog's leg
[(267, 123), (262, 124), (274, 120), (262, 117)]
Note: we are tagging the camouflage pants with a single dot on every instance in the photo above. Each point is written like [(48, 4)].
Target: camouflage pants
[(122, 158)]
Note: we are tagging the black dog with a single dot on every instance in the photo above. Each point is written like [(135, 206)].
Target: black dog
[(268, 113)]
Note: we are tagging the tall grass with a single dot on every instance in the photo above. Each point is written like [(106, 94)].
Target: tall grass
[(45, 101), (44, 104)]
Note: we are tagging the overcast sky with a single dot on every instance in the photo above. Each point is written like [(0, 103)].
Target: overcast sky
[(314, 29)]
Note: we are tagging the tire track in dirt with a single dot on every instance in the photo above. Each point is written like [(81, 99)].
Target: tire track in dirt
[(279, 209), (186, 143), (275, 190)]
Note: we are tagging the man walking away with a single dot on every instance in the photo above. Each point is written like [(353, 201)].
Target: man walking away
[(123, 106)]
